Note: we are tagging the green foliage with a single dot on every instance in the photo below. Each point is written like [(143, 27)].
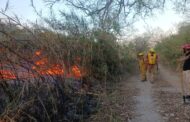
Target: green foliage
[(170, 48)]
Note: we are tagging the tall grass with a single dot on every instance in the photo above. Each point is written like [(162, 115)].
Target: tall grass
[(58, 98)]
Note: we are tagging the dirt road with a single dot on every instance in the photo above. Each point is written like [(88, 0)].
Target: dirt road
[(160, 101), (136, 101), (146, 107)]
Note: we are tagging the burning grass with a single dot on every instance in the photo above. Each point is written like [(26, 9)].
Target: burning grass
[(40, 67), (35, 88), (57, 77)]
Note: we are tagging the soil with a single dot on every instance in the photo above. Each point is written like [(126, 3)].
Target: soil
[(161, 101), (146, 108), (136, 101), (168, 93), (118, 105)]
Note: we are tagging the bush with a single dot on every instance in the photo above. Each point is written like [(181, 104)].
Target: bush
[(30, 90)]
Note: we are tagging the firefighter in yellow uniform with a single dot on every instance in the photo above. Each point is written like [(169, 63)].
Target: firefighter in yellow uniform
[(152, 64), (142, 66)]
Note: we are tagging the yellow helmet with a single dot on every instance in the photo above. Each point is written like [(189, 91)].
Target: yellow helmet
[(140, 54), (152, 50)]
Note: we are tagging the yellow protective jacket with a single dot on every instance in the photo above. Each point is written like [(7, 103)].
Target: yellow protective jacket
[(142, 64), (152, 58)]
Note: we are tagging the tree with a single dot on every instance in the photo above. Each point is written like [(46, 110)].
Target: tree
[(141, 43), (109, 15)]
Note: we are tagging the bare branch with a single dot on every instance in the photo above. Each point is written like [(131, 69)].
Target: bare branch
[(6, 6)]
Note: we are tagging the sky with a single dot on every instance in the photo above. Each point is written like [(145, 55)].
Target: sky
[(164, 20), (22, 8)]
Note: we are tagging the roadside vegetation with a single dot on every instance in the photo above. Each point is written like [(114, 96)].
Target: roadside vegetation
[(66, 68), (49, 76), (170, 48)]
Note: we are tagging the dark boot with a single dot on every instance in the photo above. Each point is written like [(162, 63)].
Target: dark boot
[(186, 99)]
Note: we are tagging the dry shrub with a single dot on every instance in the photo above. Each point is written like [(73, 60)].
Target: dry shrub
[(35, 96)]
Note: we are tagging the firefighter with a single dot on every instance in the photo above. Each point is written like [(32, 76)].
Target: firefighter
[(152, 64), (142, 66), (185, 60)]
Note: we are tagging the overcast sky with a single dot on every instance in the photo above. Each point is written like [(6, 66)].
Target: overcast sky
[(167, 20), (22, 8), (164, 20)]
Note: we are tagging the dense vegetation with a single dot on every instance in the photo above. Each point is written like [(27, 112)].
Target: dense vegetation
[(61, 71), (42, 93)]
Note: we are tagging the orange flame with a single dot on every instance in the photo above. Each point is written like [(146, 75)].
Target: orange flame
[(42, 62), (38, 53), (76, 71), (43, 67), (7, 74), (54, 70)]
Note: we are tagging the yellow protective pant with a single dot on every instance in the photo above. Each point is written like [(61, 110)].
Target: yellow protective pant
[(142, 68), (152, 72)]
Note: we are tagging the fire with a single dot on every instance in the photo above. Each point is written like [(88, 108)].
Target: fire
[(38, 53), (76, 71), (42, 62), (56, 69), (53, 70), (7, 74), (43, 67)]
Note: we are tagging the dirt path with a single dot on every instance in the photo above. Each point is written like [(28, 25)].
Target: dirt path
[(173, 78), (146, 108), (136, 101), (167, 92), (161, 101)]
